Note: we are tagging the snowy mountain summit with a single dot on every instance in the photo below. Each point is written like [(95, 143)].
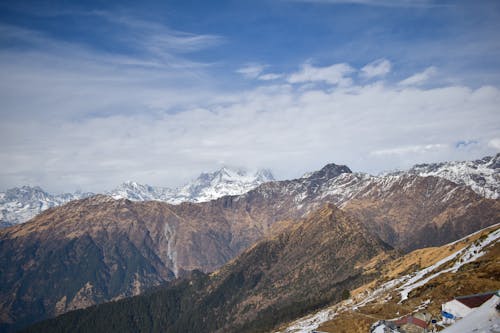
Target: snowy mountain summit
[(140, 192), (482, 175), (208, 186), (226, 181), (19, 204)]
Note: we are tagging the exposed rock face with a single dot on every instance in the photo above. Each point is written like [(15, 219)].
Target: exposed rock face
[(307, 265), (122, 247)]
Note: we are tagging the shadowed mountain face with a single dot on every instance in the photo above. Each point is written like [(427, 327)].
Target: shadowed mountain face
[(99, 249), (308, 265)]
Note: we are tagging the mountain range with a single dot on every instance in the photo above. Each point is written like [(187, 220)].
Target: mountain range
[(19, 204), (317, 262), (276, 279), (99, 248)]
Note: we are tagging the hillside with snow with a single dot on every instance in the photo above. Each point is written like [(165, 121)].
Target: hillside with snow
[(482, 175), (420, 281)]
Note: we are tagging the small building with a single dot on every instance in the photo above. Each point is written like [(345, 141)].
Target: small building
[(417, 323), (460, 307)]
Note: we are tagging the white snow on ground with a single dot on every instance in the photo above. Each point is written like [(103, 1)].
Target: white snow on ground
[(380, 327), (485, 319), (461, 257), (310, 323)]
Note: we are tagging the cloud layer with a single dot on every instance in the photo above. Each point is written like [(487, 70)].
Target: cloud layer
[(74, 117), (291, 128)]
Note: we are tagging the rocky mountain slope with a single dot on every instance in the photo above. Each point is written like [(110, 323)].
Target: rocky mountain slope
[(18, 205), (307, 265), (98, 249), (418, 282), (136, 245), (482, 175)]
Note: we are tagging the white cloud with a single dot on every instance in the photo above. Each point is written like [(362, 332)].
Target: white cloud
[(377, 68), (495, 143), (419, 78), (157, 38), (270, 77), (75, 118), (251, 71), (417, 149), (381, 3), (334, 74)]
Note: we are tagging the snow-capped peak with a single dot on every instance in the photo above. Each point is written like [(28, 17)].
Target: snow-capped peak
[(138, 192), (482, 175), (225, 181), (206, 187), (20, 204)]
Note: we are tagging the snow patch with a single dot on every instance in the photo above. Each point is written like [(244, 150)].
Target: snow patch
[(461, 257)]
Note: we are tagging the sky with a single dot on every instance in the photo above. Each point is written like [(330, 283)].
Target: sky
[(95, 93)]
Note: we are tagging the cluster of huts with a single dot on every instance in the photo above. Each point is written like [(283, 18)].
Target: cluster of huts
[(451, 312)]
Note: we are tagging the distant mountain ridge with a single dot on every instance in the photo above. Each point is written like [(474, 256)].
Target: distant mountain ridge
[(482, 175), (208, 186), (20, 204)]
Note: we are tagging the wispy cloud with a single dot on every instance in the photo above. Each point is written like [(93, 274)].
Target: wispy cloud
[(270, 76), (256, 72), (251, 71), (380, 3), (71, 80), (466, 144), (377, 68), (416, 149), (419, 78), (157, 38), (335, 74)]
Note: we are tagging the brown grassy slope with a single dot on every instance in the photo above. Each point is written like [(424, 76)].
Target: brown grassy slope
[(479, 276)]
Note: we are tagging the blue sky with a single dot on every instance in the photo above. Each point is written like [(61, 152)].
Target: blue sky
[(99, 92)]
